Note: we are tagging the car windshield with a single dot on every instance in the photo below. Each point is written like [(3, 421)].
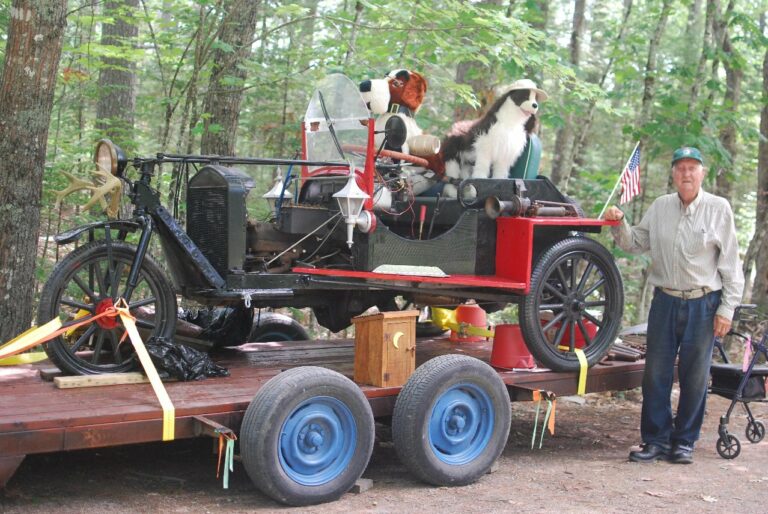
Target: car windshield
[(348, 115)]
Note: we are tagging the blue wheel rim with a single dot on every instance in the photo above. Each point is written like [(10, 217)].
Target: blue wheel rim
[(317, 441), (461, 424)]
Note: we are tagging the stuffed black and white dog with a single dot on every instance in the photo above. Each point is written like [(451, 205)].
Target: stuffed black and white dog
[(492, 144)]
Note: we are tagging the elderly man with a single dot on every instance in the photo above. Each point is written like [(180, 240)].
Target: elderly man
[(698, 282)]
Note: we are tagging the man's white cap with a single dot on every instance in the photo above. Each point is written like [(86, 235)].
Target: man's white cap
[(541, 95)]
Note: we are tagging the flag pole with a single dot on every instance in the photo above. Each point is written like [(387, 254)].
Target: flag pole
[(623, 170)]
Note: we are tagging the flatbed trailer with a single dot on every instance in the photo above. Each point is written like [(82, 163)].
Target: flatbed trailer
[(36, 417)]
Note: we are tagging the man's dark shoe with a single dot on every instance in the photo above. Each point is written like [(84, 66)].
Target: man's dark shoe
[(649, 453), (681, 455)]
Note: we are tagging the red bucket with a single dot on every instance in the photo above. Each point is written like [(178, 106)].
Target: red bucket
[(473, 315), (509, 349)]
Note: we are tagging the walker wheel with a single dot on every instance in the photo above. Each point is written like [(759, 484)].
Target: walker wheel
[(729, 448), (755, 431)]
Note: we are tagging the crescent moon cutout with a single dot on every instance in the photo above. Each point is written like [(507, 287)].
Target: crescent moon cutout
[(396, 339)]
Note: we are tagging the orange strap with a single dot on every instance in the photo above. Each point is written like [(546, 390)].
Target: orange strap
[(52, 329)]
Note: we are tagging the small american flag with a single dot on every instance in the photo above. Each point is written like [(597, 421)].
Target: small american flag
[(630, 178)]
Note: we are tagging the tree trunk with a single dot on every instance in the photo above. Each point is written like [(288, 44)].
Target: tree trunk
[(26, 98), (222, 101), (693, 31), (353, 33), (760, 288), (706, 45), (478, 76), (561, 164), (649, 91), (117, 76), (582, 130), (733, 77)]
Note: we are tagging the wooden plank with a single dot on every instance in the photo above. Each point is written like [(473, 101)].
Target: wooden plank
[(133, 377)]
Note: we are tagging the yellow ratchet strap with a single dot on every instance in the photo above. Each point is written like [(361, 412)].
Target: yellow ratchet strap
[(31, 338), (54, 328), (581, 389), (169, 412), (24, 358)]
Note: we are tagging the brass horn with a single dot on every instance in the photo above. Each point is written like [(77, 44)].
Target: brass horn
[(515, 206)]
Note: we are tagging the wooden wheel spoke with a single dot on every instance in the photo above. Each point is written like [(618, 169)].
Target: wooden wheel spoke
[(83, 338), (594, 287), (78, 305), (101, 278), (574, 262), (115, 279), (84, 287), (593, 319), (142, 303), (559, 334), (601, 303), (587, 338), (571, 335), (585, 276), (563, 280), (97, 347), (553, 321), (554, 291)]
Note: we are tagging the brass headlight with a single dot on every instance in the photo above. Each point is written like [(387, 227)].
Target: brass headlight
[(109, 157)]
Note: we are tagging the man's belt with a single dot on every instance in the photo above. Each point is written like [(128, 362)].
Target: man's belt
[(690, 294)]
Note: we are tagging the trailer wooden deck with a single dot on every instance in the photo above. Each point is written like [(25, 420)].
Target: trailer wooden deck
[(37, 417)]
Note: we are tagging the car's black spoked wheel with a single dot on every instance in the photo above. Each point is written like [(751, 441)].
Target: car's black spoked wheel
[(576, 300), (88, 281)]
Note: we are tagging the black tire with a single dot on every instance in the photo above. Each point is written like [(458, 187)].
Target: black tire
[(451, 420), (575, 288), (755, 431), (729, 449), (271, 326), (290, 449), (75, 287)]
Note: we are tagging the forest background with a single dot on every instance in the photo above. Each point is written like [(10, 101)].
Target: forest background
[(234, 77)]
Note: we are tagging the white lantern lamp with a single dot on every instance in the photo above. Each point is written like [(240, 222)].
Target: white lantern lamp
[(273, 194), (351, 199)]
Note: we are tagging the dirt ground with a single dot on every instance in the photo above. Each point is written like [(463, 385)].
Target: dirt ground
[(583, 468)]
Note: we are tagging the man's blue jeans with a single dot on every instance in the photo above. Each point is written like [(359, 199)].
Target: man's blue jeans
[(683, 328)]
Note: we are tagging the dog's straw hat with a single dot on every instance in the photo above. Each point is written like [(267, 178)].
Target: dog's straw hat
[(541, 95)]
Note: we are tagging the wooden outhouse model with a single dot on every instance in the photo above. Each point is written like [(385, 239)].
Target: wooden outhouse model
[(385, 348)]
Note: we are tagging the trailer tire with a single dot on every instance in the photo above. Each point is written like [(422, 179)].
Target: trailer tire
[(577, 281), (307, 436), (451, 420), (271, 326)]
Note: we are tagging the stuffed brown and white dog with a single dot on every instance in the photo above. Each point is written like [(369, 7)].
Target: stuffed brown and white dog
[(492, 144), (400, 94)]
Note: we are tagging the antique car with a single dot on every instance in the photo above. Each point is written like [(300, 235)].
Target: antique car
[(345, 234)]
